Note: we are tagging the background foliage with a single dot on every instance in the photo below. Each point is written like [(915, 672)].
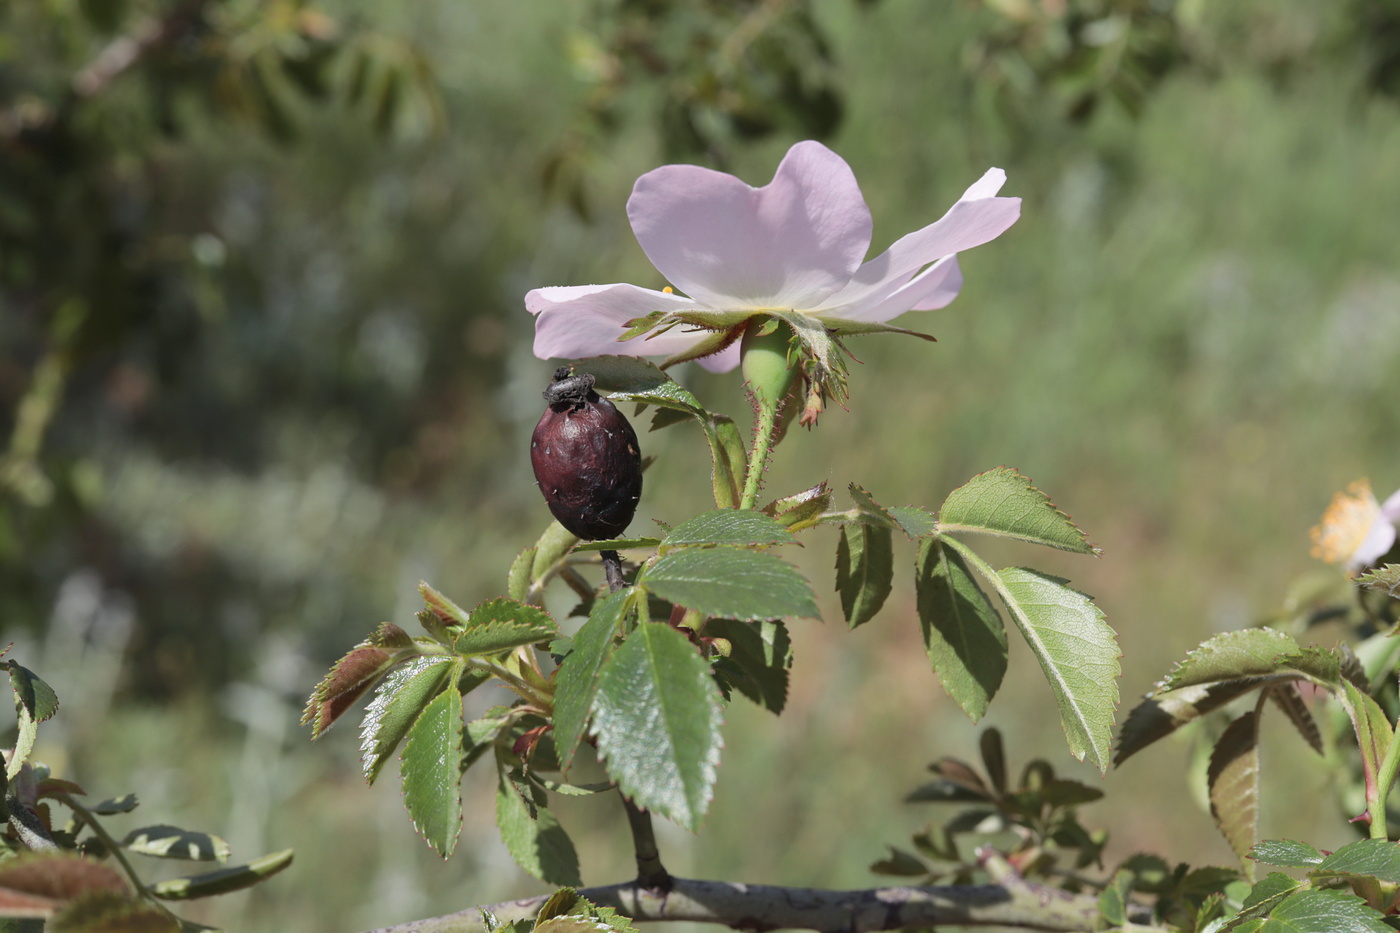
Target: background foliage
[(264, 365)]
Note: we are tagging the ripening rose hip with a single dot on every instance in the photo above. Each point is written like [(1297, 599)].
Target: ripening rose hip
[(586, 459)]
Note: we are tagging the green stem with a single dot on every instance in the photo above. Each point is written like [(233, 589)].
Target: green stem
[(765, 426), (112, 846), (651, 874), (1385, 778), (514, 683)]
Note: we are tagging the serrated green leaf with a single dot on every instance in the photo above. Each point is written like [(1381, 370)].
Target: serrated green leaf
[(1286, 852), (354, 674), (1077, 651), (623, 374), (1313, 911), (567, 904), (801, 510), (577, 678), (728, 526), (1233, 783), (914, 521), (664, 395), (731, 582), (1253, 652), (657, 719), (1385, 578), (963, 633), (1375, 858), (1003, 502), (163, 841), (1269, 892), (432, 774), (759, 659), (1287, 698), (539, 844), (31, 693), (498, 625), (864, 570), (1161, 714), (396, 704), (617, 544), (870, 511), (445, 609), (223, 880)]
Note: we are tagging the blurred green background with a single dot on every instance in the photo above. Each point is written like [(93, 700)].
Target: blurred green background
[(264, 365)]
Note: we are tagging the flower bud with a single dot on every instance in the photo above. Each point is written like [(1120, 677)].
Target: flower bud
[(586, 459)]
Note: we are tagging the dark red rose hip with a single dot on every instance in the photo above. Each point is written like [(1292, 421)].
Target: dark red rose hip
[(586, 459)]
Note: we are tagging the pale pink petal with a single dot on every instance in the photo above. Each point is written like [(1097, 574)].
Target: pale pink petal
[(723, 361), (586, 320), (976, 218), (1378, 540), (931, 289), (1390, 508), (789, 244)]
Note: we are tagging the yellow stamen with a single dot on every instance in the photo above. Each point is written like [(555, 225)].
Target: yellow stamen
[(1345, 524), (669, 290)]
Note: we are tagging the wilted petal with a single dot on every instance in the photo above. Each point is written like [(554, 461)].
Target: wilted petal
[(789, 244), (587, 320)]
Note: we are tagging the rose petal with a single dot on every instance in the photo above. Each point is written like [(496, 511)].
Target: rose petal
[(976, 218), (934, 288), (1379, 540), (789, 244), (723, 361), (1390, 508), (587, 320)]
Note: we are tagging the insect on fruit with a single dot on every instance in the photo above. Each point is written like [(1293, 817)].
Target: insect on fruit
[(586, 459)]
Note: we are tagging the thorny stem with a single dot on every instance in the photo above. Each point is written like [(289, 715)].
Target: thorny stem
[(764, 428)]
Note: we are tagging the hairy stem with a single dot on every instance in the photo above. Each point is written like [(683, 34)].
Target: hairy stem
[(764, 427)]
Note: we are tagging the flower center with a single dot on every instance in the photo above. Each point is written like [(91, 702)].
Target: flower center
[(1346, 523)]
